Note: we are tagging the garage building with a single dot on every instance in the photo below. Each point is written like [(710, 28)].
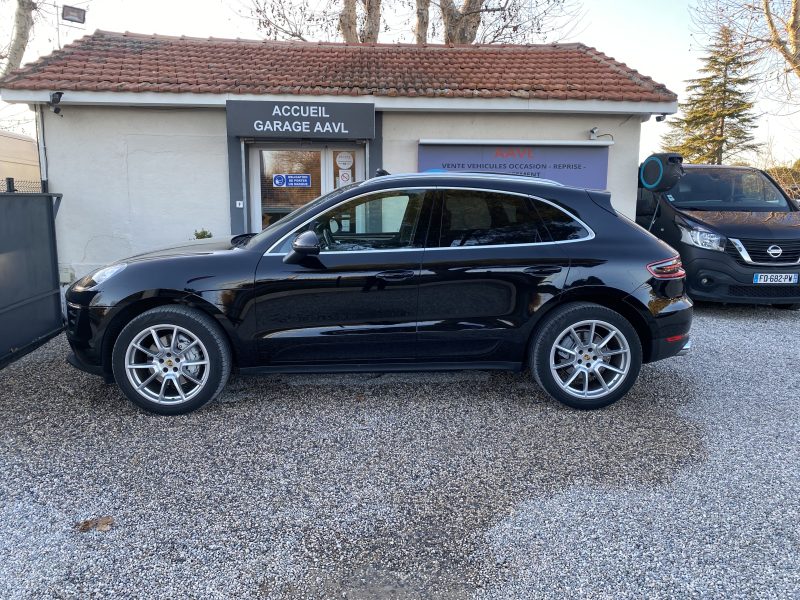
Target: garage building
[(150, 138)]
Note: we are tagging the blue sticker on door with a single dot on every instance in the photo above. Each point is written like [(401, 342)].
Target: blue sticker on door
[(282, 180)]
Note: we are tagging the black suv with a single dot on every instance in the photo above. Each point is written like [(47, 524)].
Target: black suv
[(405, 272), (737, 233)]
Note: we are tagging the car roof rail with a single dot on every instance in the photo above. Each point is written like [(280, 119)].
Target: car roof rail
[(507, 174)]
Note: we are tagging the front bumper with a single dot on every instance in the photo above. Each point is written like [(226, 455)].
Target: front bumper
[(85, 337), (716, 277)]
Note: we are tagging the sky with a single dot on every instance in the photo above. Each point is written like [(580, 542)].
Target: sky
[(657, 39)]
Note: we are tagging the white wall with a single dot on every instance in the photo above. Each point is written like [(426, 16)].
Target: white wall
[(402, 132), (134, 180)]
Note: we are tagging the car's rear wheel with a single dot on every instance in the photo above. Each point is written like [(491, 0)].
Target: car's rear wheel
[(586, 355), (171, 360)]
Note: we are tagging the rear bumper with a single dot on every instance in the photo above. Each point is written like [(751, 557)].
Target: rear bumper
[(668, 320)]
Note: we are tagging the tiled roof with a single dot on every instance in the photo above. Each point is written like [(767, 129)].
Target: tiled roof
[(117, 62)]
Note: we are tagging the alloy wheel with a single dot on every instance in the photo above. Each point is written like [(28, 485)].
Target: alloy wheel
[(590, 359), (167, 364)]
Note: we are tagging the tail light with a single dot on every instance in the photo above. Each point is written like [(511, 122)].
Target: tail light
[(671, 268)]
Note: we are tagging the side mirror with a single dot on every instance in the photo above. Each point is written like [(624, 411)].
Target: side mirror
[(304, 245)]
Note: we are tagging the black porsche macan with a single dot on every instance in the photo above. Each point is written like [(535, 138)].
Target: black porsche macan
[(405, 272)]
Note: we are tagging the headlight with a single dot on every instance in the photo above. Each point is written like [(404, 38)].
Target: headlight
[(100, 276), (701, 237)]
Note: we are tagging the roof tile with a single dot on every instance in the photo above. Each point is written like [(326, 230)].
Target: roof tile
[(107, 61)]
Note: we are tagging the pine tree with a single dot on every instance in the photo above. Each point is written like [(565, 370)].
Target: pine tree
[(717, 120)]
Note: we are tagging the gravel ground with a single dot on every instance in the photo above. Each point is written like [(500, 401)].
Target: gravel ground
[(455, 485)]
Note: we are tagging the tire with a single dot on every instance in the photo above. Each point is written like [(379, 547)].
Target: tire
[(165, 385), (586, 391), (787, 306)]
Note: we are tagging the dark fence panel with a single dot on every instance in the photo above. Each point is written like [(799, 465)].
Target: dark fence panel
[(30, 301)]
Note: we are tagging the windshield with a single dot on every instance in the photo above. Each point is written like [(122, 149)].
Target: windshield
[(739, 190), (256, 239)]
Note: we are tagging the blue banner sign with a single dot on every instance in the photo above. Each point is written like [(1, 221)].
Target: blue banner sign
[(284, 180), (578, 166)]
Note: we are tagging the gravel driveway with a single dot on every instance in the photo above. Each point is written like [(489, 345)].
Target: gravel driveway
[(454, 485)]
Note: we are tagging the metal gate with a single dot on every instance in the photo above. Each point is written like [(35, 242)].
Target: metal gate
[(30, 300)]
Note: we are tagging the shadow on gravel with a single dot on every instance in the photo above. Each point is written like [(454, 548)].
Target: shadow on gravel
[(347, 486)]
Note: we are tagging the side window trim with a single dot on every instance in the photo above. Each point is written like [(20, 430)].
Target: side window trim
[(434, 213)]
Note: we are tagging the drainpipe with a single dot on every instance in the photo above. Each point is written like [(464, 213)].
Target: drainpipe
[(42, 147)]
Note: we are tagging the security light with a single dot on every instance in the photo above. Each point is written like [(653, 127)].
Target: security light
[(73, 14)]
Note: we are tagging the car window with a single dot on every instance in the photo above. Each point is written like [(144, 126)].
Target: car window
[(478, 218), (380, 221), (559, 224), (719, 189)]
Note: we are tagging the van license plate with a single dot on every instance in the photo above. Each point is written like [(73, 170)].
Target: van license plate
[(775, 278)]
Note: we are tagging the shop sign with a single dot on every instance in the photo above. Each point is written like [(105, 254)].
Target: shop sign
[(305, 120), (292, 180), (579, 166)]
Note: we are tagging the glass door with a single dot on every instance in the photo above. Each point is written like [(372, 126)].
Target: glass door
[(283, 178)]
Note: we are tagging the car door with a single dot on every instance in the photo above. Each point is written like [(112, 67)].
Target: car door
[(357, 301), (489, 264)]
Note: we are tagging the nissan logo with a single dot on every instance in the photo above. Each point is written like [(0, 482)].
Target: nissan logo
[(774, 251)]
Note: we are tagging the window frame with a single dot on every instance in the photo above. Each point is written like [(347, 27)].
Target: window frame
[(436, 193)]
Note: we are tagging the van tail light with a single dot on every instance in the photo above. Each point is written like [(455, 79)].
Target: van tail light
[(671, 268)]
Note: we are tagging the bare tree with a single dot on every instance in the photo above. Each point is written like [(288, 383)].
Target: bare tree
[(461, 24), (497, 21), (451, 21), (354, 20), (348, 21), (784, 33), (769, 29), (295, 20), (423, 8), (23, 24)]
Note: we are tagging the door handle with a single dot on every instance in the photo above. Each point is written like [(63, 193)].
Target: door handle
[(398, 275), (542, 270)]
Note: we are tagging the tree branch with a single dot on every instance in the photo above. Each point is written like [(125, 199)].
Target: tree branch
[(775, 38)]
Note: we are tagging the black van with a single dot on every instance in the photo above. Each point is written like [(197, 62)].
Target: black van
[(737, 232)]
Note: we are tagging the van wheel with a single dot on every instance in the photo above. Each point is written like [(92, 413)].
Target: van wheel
[(585, 355), (171, 360)]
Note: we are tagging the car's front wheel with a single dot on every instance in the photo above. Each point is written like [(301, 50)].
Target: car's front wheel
[(586, 355), (171, 360)]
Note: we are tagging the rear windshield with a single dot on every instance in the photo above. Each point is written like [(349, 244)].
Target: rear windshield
[(742, 190)]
